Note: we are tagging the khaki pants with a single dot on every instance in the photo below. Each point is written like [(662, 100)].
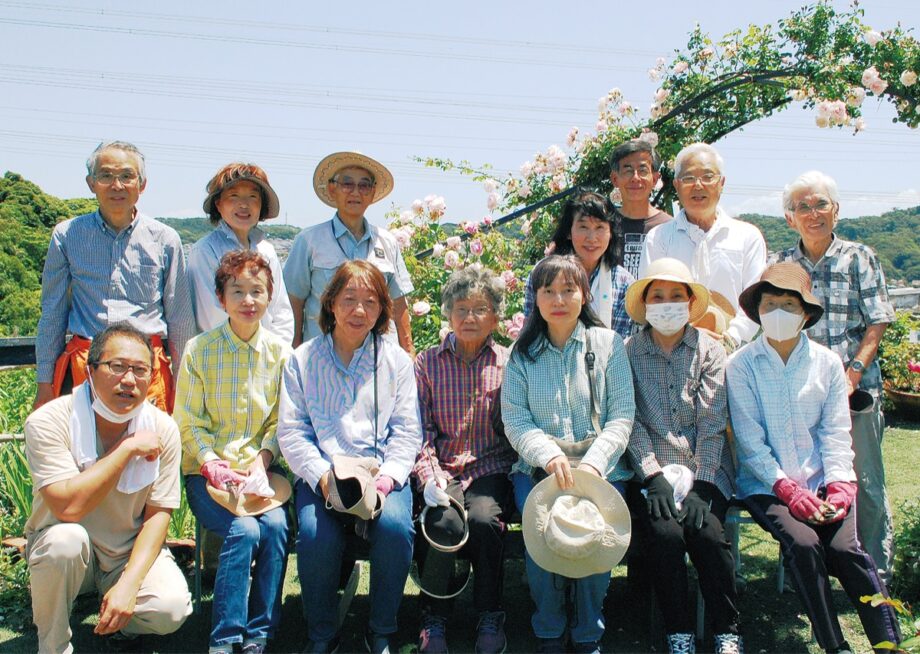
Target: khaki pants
[(62, 565)]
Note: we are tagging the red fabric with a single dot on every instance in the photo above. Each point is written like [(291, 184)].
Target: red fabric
[(802, 502), (841, 494)]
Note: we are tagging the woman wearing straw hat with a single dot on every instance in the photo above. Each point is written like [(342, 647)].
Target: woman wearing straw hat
[(227, 412), (567, 397), (239, 198), (349, 182), (791, 419), (586, 230), (347, 394), (681, 415)]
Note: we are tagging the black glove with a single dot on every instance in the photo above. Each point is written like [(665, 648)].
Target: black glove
[(697, 504), (660, 497)]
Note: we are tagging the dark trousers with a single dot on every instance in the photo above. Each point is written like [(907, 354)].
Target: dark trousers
[(667, 542), (488, 502), (815, 552)]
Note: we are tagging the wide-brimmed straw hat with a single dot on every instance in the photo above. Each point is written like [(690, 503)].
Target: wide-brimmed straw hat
[(718, 314), (785, 276), (234, 174), (352, 489), (578, 532), (245, 504), (329, 166), (669, 270)]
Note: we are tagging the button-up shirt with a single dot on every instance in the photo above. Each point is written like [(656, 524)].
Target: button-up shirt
[(789, 420), (227, 397), (328, 408), (681, 408), (549, 398), (319, 250), (203, 261), (94, 277), (456, 400), (728, 258), (849, 282)]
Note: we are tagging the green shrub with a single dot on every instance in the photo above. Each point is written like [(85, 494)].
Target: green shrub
[(907, 553)]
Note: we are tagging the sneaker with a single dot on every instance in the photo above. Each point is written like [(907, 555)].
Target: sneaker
[(587, 648), (323, 646), (432, 639), (490, 633), (377, 643), (252, 647), (681, 644), (551, 645), (729, 644)]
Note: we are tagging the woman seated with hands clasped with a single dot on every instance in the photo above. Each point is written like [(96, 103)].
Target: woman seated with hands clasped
[(349, 429), (679, 451)]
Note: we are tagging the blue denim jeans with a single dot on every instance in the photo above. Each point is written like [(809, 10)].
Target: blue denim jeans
[(237, 615), (320, 542), (548, 591)]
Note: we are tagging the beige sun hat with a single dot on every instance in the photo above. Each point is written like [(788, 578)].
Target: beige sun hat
[(578, 532), (669, 270), (245, 504), (718, 315), (329, 166), (785, 276), (352, 489)]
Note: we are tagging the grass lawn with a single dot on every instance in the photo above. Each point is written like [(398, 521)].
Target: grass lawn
[(770, 622)]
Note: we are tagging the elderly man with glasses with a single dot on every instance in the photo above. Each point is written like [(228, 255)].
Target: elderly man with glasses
[(112, 265), (724, 254)]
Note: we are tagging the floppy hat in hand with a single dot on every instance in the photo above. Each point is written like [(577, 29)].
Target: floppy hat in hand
[(669, 270), (352, 488), (784, 276), (578, 532), (245, 504), (330, 165)]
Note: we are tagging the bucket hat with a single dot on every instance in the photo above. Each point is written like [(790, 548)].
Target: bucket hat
[(785, 276), (669, 270), (330, 165), (245, 504), (236, 173), (352, 488)]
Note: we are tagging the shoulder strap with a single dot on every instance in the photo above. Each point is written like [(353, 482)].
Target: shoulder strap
[(589, 364)]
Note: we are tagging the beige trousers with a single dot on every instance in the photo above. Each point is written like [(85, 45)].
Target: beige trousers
[(62, 566)]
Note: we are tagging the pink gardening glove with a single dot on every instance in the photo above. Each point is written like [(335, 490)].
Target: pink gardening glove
[(841, 495), (803, 504), (384, 484), (219, 474)]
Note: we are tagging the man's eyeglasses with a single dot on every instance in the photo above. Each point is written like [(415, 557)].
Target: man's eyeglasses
[(364, 187), (705, 179), (642, 171), (120, 368), (126, 178), (478, 312), (822, 206)]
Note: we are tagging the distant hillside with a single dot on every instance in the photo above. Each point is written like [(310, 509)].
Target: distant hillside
[(192, 229)]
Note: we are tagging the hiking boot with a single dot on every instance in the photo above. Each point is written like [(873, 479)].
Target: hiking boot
[(681, 644), (490, 633), (432, 639), (729, 644)]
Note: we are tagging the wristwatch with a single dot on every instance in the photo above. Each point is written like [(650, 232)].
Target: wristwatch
[(858, 366)]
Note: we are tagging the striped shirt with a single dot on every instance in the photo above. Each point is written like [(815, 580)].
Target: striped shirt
[(203, 261), (681, 408), (549, 398), (456, 400), (327, 408), (94, 277), (849, 282), (789, 420), (227, 397)]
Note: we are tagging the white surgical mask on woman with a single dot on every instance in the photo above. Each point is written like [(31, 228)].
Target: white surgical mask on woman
[(781, 325), (668, 317)]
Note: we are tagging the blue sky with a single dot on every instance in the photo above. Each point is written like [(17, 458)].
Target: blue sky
[(199, 84)]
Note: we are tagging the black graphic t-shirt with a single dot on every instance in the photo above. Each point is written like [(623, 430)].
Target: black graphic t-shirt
[(631, 236)]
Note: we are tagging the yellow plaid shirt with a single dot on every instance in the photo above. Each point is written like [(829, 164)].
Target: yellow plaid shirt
[(227, 397)]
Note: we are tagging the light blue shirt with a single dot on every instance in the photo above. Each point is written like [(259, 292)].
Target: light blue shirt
[(327, 408), (319, 250), (549, 398), (789, 420), (94, 277), (203, 261)]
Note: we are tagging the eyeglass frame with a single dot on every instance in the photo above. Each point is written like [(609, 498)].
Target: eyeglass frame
[(128, 367), (803, 209), (350, 186), (132, 178), (716, 177), (463, 314)]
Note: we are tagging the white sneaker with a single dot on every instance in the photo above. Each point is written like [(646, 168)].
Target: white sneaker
[(681, 644), (729, 644)]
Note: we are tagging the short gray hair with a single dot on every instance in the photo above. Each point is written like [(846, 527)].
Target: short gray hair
[(697, 148), (93, 160), (813, 180), (469, 281)]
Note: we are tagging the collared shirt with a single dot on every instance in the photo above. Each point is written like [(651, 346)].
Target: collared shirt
[(319, 250), (94, 277), (456, 399), (620, 322), (203, 261), (328, 408), (789, 420), (227, 397), (849, 282), (549, 398), (728, 258), (681, 408)]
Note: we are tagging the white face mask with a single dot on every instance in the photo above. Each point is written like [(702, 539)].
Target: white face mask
[(106, 413), (781, 325), (669, 317)]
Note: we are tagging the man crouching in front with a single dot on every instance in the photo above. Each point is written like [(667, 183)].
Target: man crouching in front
[(105, 471)]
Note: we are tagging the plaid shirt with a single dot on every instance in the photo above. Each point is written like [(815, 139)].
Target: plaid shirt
[(455, 402), (227, 397), (681, 408), (849, 282)]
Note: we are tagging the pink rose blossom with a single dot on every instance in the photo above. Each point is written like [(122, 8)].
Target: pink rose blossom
[(418, 207), (913, 366), (509, 279), (873, 81), (626, 108), (443, 333), (525, 227), (601, 126), (437, 250), (649, 137), (526, 169), (436, 205), (514, 332), (660, 62), (492, 201), (653, 74), (557, 183), (490, 185), (402, 237), (878, 86), (602, 104), (661, 95), (525, 191), (855, 96), (476, 246), (572, 137), (796, 94), (517, 319), (487, 220), (872, 37), (908, 78), (680, 67), (454, 242), (421, 308), (707, 52), (860, 124), (451, 259), (822, 121), (471, 227), (406, 216)]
